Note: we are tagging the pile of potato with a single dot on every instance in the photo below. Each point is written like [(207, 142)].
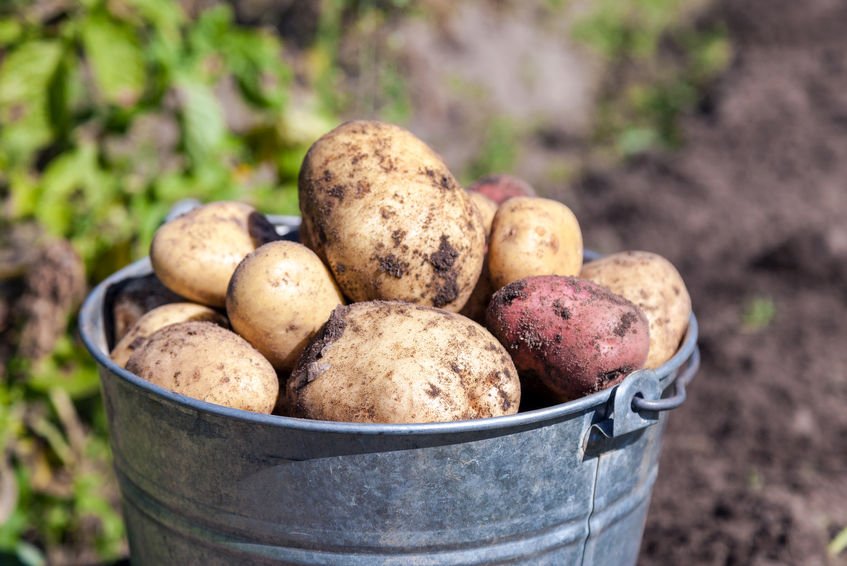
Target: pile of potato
[(410, 299)]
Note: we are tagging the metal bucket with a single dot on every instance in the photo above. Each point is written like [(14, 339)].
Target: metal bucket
[(205, 484)]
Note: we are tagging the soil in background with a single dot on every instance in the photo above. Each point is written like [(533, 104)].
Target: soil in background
[(753, 211)]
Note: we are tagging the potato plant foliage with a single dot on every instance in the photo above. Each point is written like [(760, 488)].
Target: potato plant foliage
[(110, 111)]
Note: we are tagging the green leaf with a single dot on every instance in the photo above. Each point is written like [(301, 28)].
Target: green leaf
[(203, 126), (60, 180), (117, 59), (25, 76), (10, 31), (635, 140), (165, 16), (838, 544)]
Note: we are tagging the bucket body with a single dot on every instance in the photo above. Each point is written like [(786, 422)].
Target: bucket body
[(201, 483)]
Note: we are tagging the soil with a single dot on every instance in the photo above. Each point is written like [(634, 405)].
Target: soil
[(754, 466)]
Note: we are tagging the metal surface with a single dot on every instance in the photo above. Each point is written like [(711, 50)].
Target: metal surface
[(207, 484)]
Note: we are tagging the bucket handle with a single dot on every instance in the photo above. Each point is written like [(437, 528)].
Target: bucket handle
[(640, 404), (638, 399)]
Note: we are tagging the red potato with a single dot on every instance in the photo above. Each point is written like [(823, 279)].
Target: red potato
[(569, 335), (501, 188)]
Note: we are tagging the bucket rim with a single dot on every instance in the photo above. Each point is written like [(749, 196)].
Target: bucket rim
[(90, 323)]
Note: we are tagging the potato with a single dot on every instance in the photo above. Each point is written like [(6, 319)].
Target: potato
[(475, 307), (533, 236), (131, 298), (278, 298), (487, 208), (571, 335), (158, 318), (392, 362), (195, 254), (388, 218), (656, 287), (209, 363), (500, 188)]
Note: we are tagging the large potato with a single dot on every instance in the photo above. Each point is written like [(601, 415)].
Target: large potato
[(157, 319), (392, 362), (533, 236), (278, 298), (653, 283), (195, 254), (391, 222), (207, 362), (570, 335)]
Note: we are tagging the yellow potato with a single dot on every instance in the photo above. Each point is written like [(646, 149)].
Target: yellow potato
[(157, 319), (487, 208), (475, 307), (388, 218), (195, 254), (209, 363), (533, 236), (279, 297), (653, 284), (392, 362)]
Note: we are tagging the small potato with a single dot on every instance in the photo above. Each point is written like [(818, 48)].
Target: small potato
[(278, 298), (533, 236), (159, 318), (392, 362), (391, 222), (131, 298), (656, 287), (195, 254), (570, 335), (474, 309), (487, 208), (207, 362), (500, 188)]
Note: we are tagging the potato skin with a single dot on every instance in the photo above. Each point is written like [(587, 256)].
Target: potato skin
[(207, 362), (533, 236), (388, 218), (502, 187), (571, 335), (487, 208), (392, 362), (159, 318), (278, 298), (652, 283), (476, 304), (195, 254), (131, 298)]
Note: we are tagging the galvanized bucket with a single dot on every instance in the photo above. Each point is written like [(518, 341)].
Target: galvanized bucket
[(205, 484)]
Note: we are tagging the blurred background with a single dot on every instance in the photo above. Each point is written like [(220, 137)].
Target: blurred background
[(713, 132)]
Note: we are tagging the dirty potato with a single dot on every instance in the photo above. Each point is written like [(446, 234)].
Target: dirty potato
[(278, 298), (195, 254), (386, 215), (533, 236), (654, 284), (487, 208), (478, 301), (131, 298), (392, 362), (159, 318), (569, 335), (206, 362)]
